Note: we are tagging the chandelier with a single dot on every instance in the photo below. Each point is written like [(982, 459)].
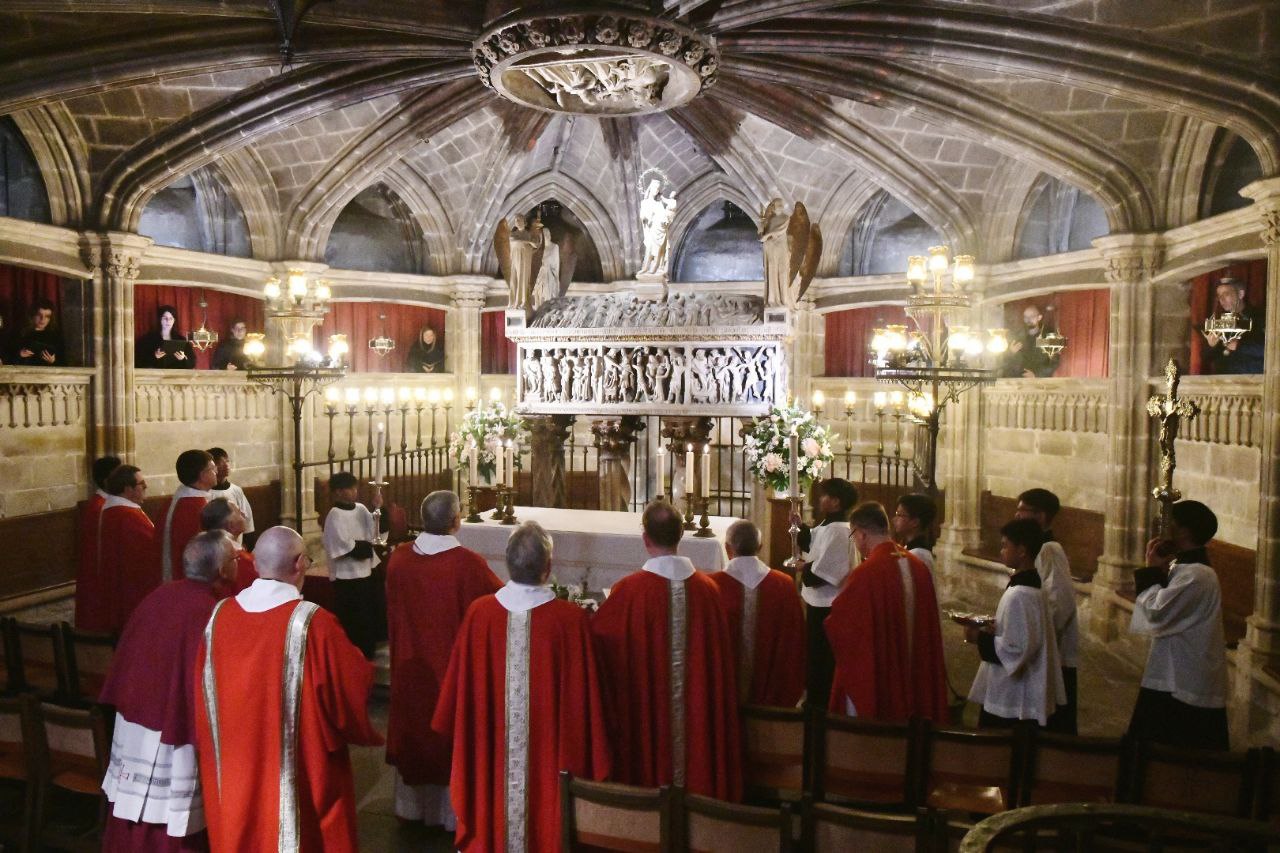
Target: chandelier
[(1051, 343), (202, 338), (298, 293), (382, 344), (1228, 326)]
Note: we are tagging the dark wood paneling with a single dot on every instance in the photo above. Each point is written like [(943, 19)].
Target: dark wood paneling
[(39, 552), (1079, 530), (1235, 567)]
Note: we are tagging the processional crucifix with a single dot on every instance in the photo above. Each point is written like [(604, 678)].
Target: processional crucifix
[(1170, 410)]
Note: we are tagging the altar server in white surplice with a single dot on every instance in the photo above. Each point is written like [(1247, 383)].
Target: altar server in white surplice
[(349, 534), (827, 555), (229, 490)]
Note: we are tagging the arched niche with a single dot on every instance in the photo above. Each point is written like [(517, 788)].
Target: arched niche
[(1057, 217), (579, 258), (884, 235), (197, 212), (376, 232), (721, 244), (1232, 164), (22, 190)]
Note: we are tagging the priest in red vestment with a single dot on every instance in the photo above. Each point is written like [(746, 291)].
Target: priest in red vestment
[(88, 584), (431, 582), (198, 474), (128, 558), (152, 781), (225, 515), (281, 693), (666, 660), (766, 622), (521, 702), (885, 631)]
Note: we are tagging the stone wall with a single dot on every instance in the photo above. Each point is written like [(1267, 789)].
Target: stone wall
[(44, 434)]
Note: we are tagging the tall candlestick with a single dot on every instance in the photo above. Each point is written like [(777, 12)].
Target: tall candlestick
[(498, 477), (706, 470), (793, 483), (660, 469), (380, 444), (473, 463), (511, 465), (688, 471)]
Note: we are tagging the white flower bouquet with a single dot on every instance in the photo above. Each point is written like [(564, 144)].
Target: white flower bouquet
[(768, 448), (489, 428)]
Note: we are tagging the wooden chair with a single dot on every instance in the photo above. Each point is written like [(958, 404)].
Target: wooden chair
[(1065, 769), (1266, 791), (832, 829), (1205, 781), (35, 658), (70, 748), (607, 816), (864, 763), (774, 762), (969, 771), (707, 826), (17, 795), (88, 660)]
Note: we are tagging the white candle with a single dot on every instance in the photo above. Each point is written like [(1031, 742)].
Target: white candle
[(473, 478), (511, 465), (688, 471), (793, 484), (660, 464), (706, 470), (497, 462), (380, 445)]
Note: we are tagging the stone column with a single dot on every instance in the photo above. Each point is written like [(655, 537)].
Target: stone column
[(680, 432), (547, 434), (1131, 262), (114, 260), (1262, 631), (614, 438), (462, 331), (806, 351)]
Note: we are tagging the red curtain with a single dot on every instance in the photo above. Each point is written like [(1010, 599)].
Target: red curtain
[(359, 321), (497, 352), (848, 338), (1083, 316), (20, 288), (1204, 301), (223, 310)]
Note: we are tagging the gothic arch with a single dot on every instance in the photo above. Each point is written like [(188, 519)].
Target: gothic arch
[(251, 185), (574, 195), (59, 148), (837, 218), (698, 194)]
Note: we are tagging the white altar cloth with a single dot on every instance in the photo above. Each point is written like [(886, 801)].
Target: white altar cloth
[(592, 545)]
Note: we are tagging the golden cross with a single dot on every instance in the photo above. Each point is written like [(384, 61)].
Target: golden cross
[(1170, 411)]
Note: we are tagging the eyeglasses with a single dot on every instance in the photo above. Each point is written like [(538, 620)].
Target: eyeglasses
[(900, 514)]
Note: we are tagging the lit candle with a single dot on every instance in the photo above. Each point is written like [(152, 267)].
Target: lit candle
[(660, 469), (380, 443), (511, 467), (850, 399), (706, 470), (880, 398), (473, 475), (497, 462), (793, 482), (688, 471)]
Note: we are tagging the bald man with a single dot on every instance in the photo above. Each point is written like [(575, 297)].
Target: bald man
[(274, 668)]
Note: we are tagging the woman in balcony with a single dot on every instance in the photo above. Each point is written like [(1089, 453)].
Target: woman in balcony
[(426, 355), (163, 346)]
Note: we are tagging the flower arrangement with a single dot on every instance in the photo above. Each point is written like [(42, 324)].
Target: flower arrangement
[(489, 427), (768, 447), (575, 596)]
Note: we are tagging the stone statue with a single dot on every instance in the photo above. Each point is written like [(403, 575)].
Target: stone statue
[(519, 247), (792, 246), (656, 213)]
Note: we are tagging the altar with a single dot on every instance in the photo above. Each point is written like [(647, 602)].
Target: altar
[(595, 546)]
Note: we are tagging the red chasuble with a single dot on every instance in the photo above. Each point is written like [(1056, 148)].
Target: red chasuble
[(427, 597), (633, 631), (181, 522), (279, 698), (888, 671), (89, 587), (246, 574), (505, 763), (768, 638), (128, 567)]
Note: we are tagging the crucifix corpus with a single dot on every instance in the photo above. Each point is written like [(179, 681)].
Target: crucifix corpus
[(1170, 411)]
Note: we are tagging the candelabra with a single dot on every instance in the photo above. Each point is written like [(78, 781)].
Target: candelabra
[(509, 509), (704, 523), (499, 511), (473, 517), (690, 511), (794, 562), (379, 538)]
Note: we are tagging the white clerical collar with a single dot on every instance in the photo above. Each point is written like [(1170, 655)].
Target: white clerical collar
[(100, 493), (118, 500), (430, 544), (189, 492), (519, 597), (267, 593), (748, 571), (671, 567)]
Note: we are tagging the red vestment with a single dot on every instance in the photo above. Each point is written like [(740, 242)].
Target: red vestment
[(886, 674), (777, 666), (427, 597), (89, 589), (243, 810), (632, 634), (181, 522), (128, 568), (246, 574), (565, 729)]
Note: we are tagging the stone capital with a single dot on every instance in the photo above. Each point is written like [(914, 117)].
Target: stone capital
[(616, 435), (469, 291), (1130, 258), (116, 254), (1266, 194), (684, 430)]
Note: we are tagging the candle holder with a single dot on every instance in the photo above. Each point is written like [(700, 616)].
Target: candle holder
[(500, 497), (379, 538), (794, 562), (690, 511), (509, 510), (704, 523), (473, 517)]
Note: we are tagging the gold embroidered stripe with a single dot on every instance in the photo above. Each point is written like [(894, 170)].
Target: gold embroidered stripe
[(678, 636), (746, 666), (517, 702), (210, 686), (295, 650)]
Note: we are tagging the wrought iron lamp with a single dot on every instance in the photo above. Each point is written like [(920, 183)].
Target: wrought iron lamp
[(1228, 326), (382, 344), (1051, 343), (203, 338)]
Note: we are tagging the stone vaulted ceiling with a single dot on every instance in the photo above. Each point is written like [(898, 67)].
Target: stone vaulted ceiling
[(947, 105)]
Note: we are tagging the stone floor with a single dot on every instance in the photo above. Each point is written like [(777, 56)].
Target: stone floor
[(1108, 687)]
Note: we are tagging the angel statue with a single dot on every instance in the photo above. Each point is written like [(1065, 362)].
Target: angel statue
[(656, 213), (792, 246), (556, 270), (519, 248)]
